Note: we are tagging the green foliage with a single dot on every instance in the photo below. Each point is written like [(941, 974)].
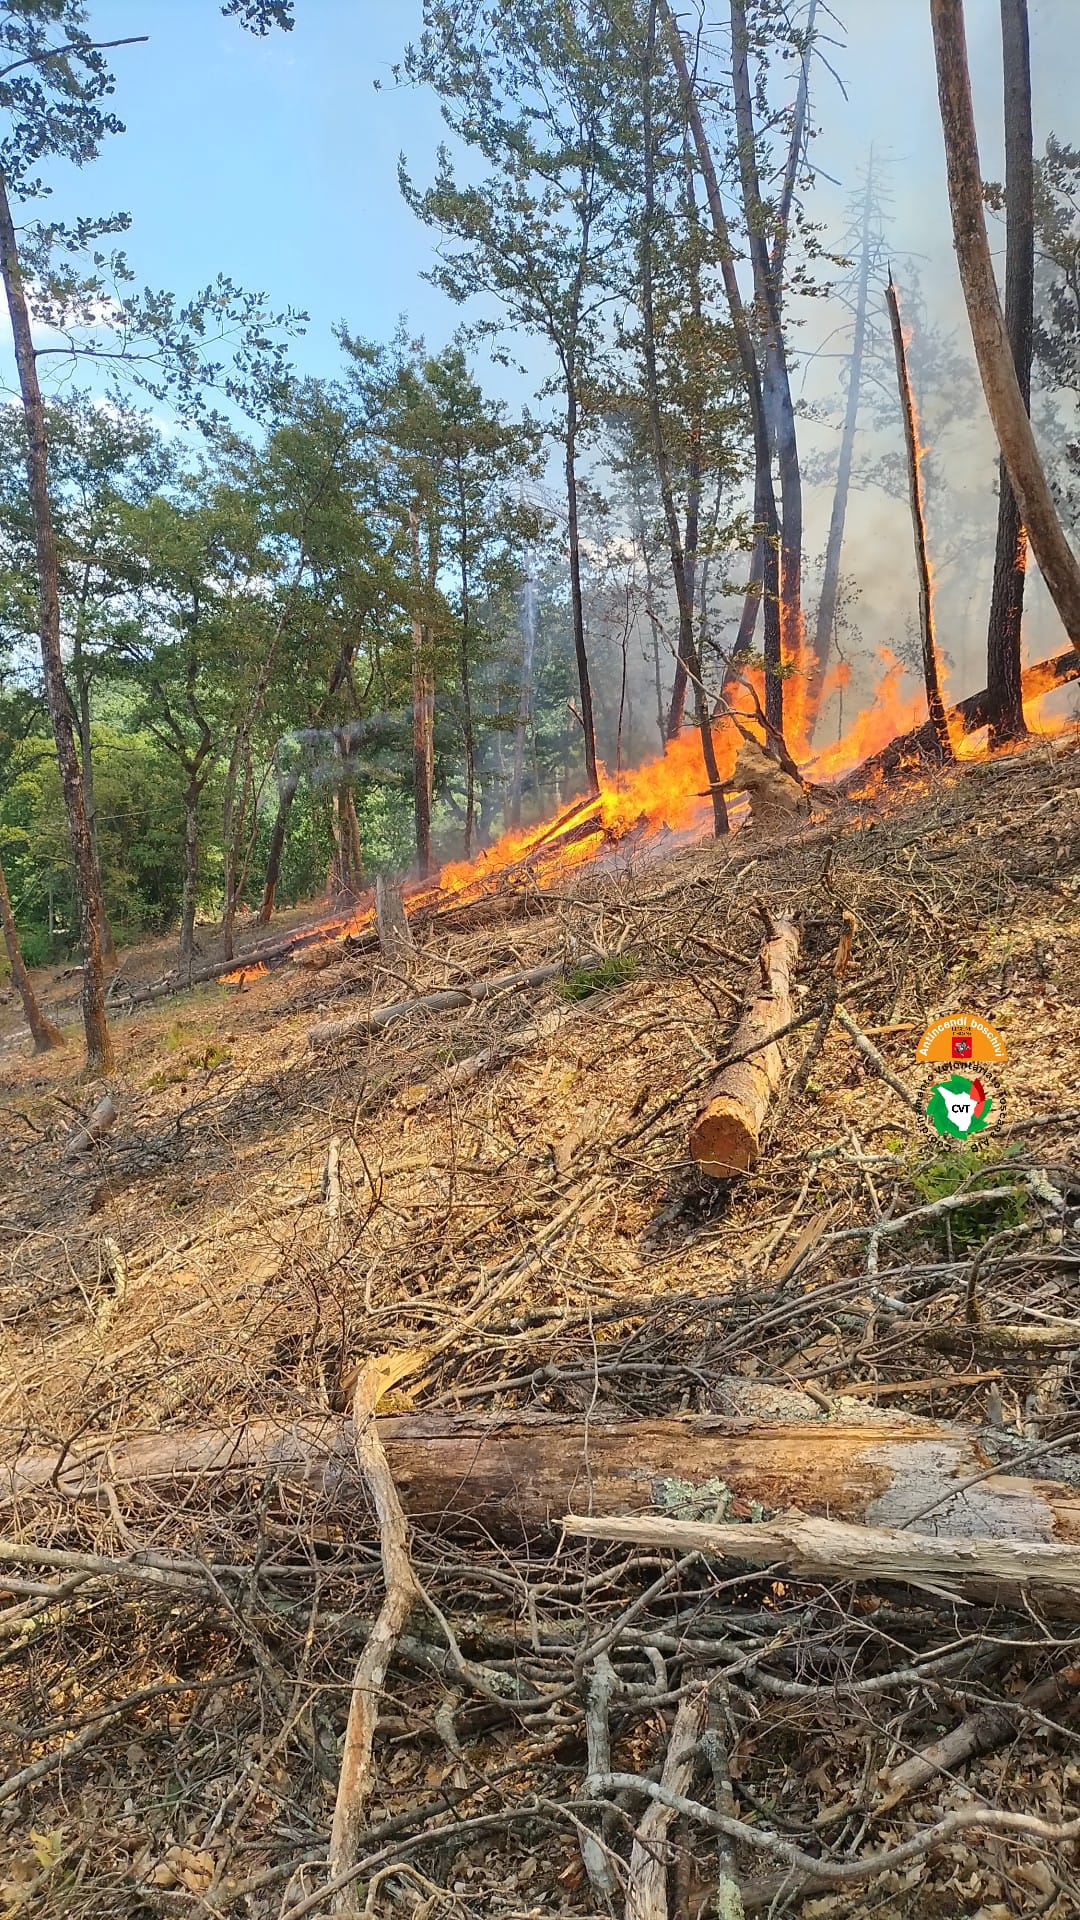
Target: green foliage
[(969, 1226), (613, 971)]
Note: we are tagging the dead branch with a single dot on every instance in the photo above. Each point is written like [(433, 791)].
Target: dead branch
[(815, 1548), (979, 1733), (646, 1896), (329, 1032), (103, 1117), (725, 1137)]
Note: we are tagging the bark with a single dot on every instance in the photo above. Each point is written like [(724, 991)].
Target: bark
[(646, 1888), (391, 921), (691, 541), (815, 1548), (576, 600), (86, 758), (776, 386), (830, 579), (528, 653), (931, 679), (764, 496), (468, 733), (725, 1138), (1003, 640), (42, 1032), (329, 1032), (94, 1129), (189, 898), (1004, 400), (347, 863), (423, 708), (519, 1474), (87, 880), (684, 590), (286, 796), (980, 1733)]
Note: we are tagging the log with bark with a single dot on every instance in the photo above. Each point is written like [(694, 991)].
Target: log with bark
[(725, 1138), (516, 1475)]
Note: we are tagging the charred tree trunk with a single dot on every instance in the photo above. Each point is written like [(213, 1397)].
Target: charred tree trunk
[(764, 496), (87, 880), (688, 651), (1005, 402), (830, 579), (935, 703), (1010, 554), (776, 388), (286, 796), (677, 709), (42, 1032)]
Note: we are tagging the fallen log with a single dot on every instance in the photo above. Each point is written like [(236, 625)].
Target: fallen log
[(980, 1733), (725, 1138), (967, 716), (810, 1547), (518, 1474), (328, 1032)]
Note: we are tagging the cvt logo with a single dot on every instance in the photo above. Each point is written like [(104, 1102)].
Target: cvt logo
[(960, 1105)]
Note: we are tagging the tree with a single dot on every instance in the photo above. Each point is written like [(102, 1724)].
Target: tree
[(931, 679), (681, 561), (540, 233), (997, 370), (1003, 639), (44, 1034)]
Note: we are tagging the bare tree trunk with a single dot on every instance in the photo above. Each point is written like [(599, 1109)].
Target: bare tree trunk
[(577, 607), (423, 705), (776, 391), (1010, 553), (86, 761), (467, 733), (830, 579), (688, 651), (286, 796), (44, 1035), (935, 703), (764, 497), (693, 491), (528, 653), (1005, 402), (87, 882), (192, 796)]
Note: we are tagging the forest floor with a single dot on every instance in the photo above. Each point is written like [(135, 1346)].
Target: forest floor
[(264, 1215)]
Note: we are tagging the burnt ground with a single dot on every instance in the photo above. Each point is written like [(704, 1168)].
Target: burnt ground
[(173, 1748)]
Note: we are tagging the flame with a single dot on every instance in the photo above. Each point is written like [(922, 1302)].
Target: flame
[(669, 796)]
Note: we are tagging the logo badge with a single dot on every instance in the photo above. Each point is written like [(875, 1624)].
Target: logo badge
[(961, 1036), (960, 1106)]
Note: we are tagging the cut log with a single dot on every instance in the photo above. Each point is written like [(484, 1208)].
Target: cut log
[(328, 1032), (392, 921), (813, 1548), (725, 1139), (94, 1129), (517, 1474)]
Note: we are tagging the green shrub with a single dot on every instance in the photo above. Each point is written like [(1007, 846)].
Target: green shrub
[(613, 971), (970, 1226)]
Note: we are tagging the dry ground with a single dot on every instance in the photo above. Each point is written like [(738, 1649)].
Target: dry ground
[(188, 1272)]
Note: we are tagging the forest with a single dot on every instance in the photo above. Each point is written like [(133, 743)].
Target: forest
[(526, 1387)]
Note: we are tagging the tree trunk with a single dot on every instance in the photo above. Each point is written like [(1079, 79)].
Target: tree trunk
[(691, 542), (423, 719), (87, 882), (286, 796), (42, 1032), (576, 602), (467, 732), (86, 765), (528, 653), (1003, 649), (688, 651), (1005, 402), (764, 496), (935, 703), (189, 898), (518, 1474), (776, 389), (830, 579), (725, 1139)]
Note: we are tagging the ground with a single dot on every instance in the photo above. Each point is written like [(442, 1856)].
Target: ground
[(541, 1225)]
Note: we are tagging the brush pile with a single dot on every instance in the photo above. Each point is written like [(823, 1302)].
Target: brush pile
[(261, 1654)]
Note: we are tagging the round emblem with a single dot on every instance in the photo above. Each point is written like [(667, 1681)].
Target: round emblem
[(959, 1107)]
